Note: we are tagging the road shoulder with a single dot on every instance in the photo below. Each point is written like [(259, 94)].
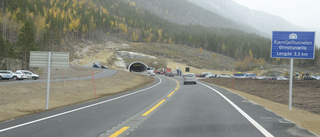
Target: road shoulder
[(305, 119)]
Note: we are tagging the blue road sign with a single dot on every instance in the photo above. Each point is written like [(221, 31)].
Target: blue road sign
[(286, 44)]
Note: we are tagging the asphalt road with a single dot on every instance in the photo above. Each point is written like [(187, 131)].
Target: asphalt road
[(163, 109)]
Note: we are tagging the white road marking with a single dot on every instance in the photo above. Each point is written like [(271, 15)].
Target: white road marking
[(78, 109), (251, 120)]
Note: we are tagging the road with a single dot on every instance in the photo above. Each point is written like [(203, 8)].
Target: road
[(165, 108)]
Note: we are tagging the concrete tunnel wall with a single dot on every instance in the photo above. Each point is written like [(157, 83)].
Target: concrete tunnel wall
[(137, 66)]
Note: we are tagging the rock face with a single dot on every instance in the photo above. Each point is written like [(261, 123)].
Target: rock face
[(133, 55)]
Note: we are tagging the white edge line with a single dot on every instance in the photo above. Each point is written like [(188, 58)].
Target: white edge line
[(74, 110), (251, 120)]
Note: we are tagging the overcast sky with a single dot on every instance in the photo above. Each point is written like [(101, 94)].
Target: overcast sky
[(305, 13)]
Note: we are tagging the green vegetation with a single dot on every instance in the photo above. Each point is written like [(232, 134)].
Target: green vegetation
[(50, 25)]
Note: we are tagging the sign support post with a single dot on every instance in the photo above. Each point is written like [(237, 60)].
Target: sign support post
[(48, 80), (290, 84)]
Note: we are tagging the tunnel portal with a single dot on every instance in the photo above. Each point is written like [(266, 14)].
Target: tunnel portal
[(137, 67)]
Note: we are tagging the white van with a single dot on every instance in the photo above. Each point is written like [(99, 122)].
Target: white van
[(150, 69)]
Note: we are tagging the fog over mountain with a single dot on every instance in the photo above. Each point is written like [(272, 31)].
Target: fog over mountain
[(220, 14), (185, 12), (258, 20)]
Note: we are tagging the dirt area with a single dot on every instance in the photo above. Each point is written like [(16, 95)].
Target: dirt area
[(172, 64), (66, 73), (30, 98), (274, 95)]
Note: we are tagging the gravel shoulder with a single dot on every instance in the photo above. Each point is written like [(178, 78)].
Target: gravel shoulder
[(273, 95)]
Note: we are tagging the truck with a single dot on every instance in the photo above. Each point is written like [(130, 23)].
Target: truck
[(168, 70)]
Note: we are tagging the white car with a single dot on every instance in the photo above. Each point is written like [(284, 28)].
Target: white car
[(189, 78), (20, 75), (28, 74), (224, 76), (210, 76), (282, 78), (5, 74), (152, 74)]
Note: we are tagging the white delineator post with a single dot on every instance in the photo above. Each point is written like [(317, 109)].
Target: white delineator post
[(290, 84), (48, 80)]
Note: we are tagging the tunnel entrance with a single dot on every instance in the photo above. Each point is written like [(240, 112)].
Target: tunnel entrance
[(137, 67)]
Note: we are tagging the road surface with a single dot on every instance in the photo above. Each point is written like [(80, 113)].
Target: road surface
[(166, 108)]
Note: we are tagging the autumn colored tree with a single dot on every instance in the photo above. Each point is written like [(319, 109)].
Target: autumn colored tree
[(200, 50)]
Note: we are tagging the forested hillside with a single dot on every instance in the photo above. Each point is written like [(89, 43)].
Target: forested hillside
[(49, 25)]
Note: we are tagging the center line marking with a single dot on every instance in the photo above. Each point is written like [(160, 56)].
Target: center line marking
[(119, 132), (170, 93), (153, 108)]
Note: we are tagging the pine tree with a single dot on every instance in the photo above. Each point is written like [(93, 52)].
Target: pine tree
[(3, 45), (27, 41)]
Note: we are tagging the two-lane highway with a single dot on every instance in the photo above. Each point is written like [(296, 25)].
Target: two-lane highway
[(165, 108)]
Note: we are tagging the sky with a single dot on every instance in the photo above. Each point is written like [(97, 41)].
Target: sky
[(304, 13)]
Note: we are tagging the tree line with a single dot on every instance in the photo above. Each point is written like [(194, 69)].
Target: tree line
[(49, 25)]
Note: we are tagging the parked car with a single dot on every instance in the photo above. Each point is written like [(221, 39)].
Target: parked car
[(96, 66), (189, 78), (272, 78), (224, 76), (104, 67), (282, 78), (28, 74), (261, 77), (20, 75), (310, 78), (210, 76), (204, 74), (5, 74)]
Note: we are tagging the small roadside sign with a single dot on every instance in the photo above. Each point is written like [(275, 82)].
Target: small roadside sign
[(187, 69), (49, 59), (40, 59), (293, 44)]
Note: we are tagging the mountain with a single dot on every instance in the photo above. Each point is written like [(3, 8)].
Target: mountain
[(258, 20), (185, 12)]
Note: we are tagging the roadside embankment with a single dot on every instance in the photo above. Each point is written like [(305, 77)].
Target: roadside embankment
[(17, 100)]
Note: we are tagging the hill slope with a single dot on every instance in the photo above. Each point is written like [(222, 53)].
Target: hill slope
[(261, 21), (184, 12)]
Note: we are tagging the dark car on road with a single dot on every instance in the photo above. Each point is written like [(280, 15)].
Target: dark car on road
[(170, 74), (96, 66), (104, 67)]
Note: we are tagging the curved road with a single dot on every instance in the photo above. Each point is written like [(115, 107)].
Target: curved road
[(164, 109)]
